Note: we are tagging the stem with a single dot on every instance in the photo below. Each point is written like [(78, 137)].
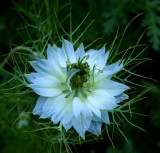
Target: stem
[(47, 13), (71, 40), (12, 51)]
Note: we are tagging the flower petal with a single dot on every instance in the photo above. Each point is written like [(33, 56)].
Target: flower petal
[(97, 57), (81, 124), (95, 128), (68, 48), (80, 106), (61, 110), (46, 92), (110, 87), (105, 116), (121, 97), (45, 67), (102, 100), (47, 86), (51, 52), (39, 105), (67, 126), (80, 52), (113, 68)]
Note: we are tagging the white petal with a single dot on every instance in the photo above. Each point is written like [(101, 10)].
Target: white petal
[(47, 86), (96, 118), (67, 126), (38, 108), (47, 108), (36, 75), (121, 97), (67, 113), (93, 108), (113, 68), (80, 106), (62, 57), (47, 81), (45, 67), (95, 128), (46, 92), (81, 124), (111, 87), (51, 52), (80, 52), (98, 58), (68, 48), (29, 76), (102, 100), (61, 110), (105, 116), (77, 107)]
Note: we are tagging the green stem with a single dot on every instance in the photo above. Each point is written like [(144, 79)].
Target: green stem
[(14, 50), (47, 14)]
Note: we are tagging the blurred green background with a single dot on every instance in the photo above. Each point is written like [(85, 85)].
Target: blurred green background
[(108, 16)]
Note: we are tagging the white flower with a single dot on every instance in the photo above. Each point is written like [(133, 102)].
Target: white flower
[(75, 88)]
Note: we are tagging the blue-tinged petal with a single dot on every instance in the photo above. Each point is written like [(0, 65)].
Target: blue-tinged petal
[(47, 86), (97, 57), (102, 100), (68, 48), (45, 67), (105, 116), (39, 105), (46, 92), (47, 81), (67, 113), (61, 110), (77, 107), (96, 118), (29, 77), (51, 52), (32, 76), (67, 126), (47, 108), (111, 87), (121, 97), (62, 57), (36, 75), (80, 53), (81, 124), (95, 128), (113, 68), (80, 106)]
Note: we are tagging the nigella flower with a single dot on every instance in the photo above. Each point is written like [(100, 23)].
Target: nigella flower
[(76, 87)]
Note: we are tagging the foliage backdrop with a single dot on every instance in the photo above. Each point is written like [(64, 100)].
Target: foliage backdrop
[(108, 16)]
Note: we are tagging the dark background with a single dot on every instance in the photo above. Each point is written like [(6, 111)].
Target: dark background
[(108, 16)]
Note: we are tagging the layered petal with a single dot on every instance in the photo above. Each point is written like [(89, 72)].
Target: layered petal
[(67, 47), (81, 124), (45, 67), (76, 92), (97, 58), (110, 87), (39, 105), (80, 53), (113, 68), (121, 97), (47, 86), (95, 128)]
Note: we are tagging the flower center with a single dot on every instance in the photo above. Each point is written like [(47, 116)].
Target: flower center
[(80, 77)]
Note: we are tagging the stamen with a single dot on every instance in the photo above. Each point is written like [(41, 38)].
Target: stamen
[(80, 77)]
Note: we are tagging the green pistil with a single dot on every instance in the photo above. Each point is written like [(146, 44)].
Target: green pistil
[(80, 77)]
